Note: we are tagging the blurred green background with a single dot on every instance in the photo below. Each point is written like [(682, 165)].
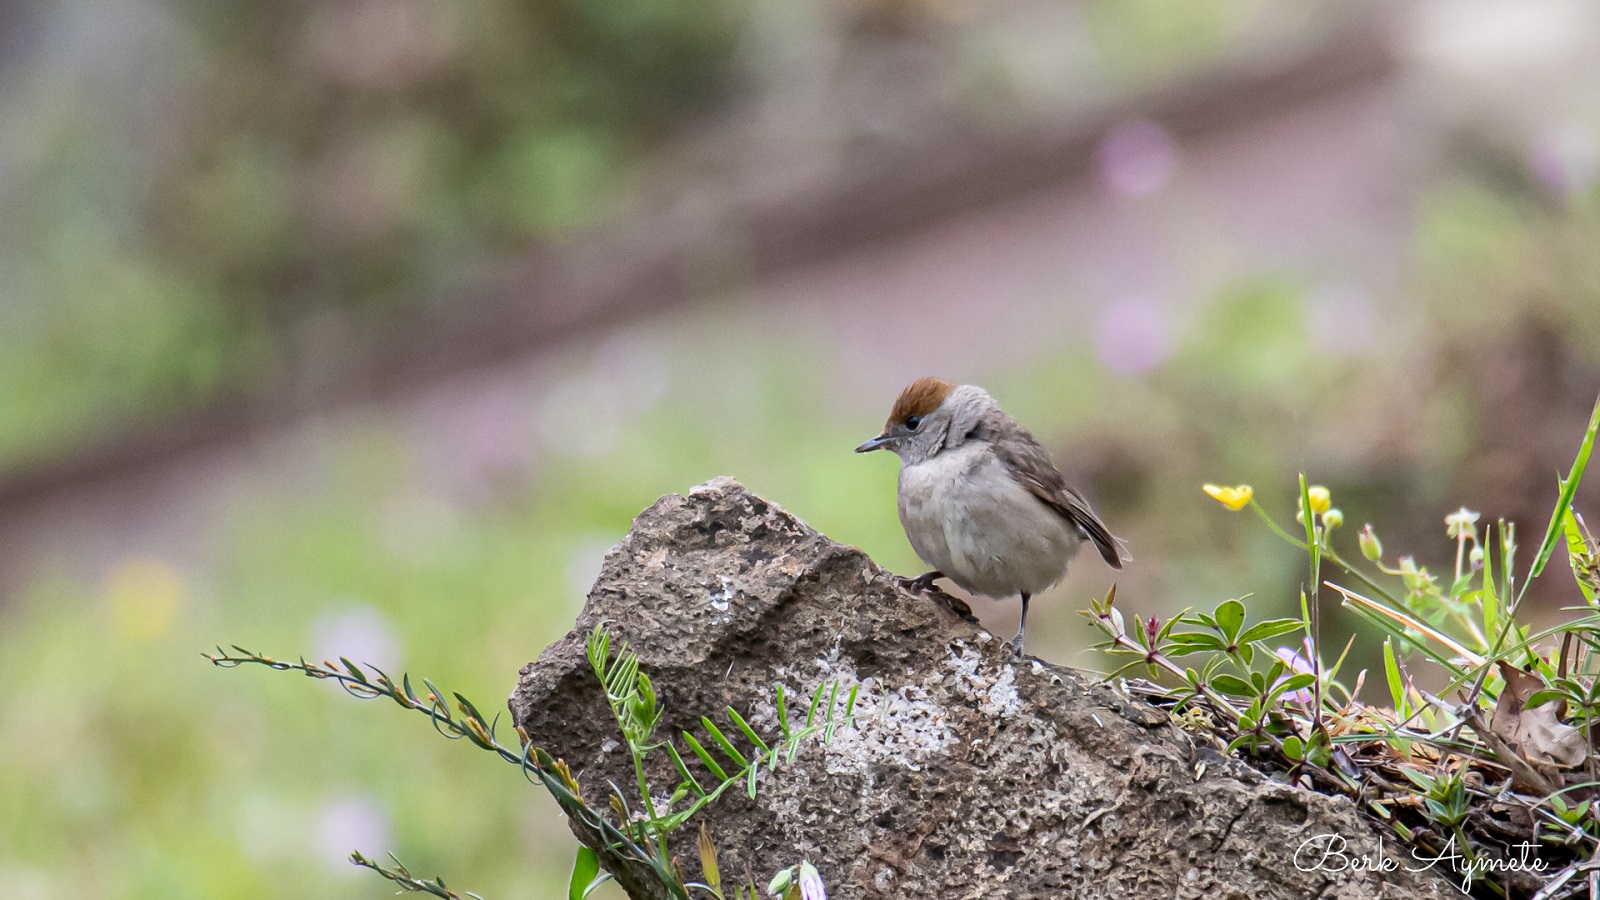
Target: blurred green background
[(364, 327)]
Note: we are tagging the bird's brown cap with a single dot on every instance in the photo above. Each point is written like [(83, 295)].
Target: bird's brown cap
[(920, 397)]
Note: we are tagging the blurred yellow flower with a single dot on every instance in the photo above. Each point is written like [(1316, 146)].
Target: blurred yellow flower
[(144, 596), (1231, 497), (1321, 498)]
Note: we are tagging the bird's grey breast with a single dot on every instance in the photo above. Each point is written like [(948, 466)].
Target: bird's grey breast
[(935, 491)]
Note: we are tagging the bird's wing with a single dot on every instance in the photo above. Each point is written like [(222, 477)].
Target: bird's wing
[(1030, 465)]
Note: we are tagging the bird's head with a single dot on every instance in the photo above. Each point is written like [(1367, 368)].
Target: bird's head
[(920, 424)]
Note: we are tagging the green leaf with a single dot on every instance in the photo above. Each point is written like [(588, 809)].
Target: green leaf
[(1230, 618), (355, 670), (1187, 642), (584, 869), (1242, 742), (1197, 640), (1420, 779), (708, 860), (1319, 751), (1543, 696), (816, 701), (1233, 684), (1308, 605), (783, 714), (1569, 487), (748, 731), (598, 648), (705, 757), (647, 697), (1293, 683), (1271, 628), (1167, 628), (1397, 685), (1332, 672), (1577, 553), (467, 707), (723, 742), (683, 771), (1487, 598), (833, 701)]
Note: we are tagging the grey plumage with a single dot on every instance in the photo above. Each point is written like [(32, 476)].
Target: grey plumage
[(980, 499), (1030, 464)]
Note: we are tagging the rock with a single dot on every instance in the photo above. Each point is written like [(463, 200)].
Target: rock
[(968, 773)]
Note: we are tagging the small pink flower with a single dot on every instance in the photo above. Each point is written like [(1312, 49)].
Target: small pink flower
[(1298, 664), (811, 883)]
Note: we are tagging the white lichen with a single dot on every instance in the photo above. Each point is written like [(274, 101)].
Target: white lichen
[(900, 726), (722, 599), (995, 692)]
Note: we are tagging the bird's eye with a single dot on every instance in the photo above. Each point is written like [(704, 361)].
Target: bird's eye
[(913, 421)]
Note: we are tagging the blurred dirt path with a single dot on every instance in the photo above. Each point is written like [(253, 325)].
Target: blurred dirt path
[(981, 257)]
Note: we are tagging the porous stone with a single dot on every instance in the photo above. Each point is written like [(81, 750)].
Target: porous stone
[(968, 773)]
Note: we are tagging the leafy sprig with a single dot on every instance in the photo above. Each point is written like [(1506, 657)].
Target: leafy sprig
[(408, 883), (637, 838), (636, 707)]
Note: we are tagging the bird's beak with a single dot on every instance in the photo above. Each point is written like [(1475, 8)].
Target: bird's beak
[(877, 443)]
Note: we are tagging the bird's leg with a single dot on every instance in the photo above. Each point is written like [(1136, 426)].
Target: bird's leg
[(924, 582), (1022, 625)]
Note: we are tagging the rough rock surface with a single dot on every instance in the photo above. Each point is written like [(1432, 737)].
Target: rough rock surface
[(969, 773)]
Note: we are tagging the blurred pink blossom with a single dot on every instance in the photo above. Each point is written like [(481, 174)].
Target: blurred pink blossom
[(1136, 159), (1565, 159), (1341, 318), (359, 632), (1132, 336), (351, 823)]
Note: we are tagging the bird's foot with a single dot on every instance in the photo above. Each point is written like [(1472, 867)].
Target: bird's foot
[(1016, 646), (924, 583)]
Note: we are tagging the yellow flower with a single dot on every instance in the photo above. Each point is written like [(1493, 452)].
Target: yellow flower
[(1231, 497), (1321, 499)]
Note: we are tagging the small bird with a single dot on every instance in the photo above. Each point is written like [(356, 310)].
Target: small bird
[(980, 500)]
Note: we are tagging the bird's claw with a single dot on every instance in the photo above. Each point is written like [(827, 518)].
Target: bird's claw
[(923, 583)]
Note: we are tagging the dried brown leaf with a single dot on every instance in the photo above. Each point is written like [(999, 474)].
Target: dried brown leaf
[(1538, 732)]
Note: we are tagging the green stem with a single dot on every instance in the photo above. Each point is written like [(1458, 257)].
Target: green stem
[(1274, 526), (644, 791), (1360, 576)]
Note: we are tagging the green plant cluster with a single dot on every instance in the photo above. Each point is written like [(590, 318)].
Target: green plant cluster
[(1436, 771)]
